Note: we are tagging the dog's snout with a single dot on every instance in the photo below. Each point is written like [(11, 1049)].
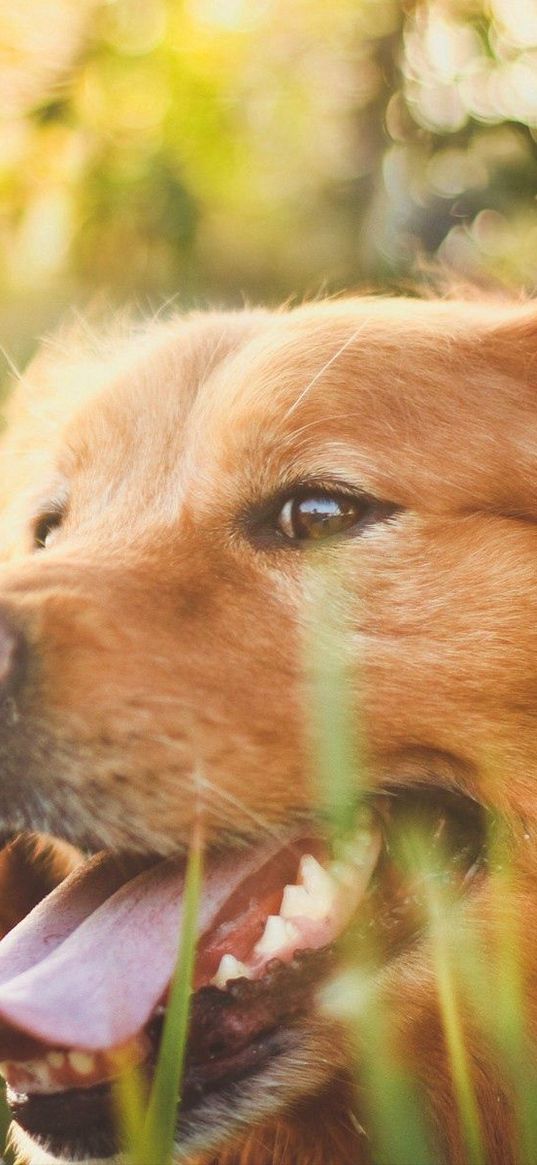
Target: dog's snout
[(12, 656)]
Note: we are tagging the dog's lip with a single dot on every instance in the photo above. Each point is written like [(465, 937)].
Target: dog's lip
[(86, 969), (236, 1029), (84, 1120), (63, 1120), (25, 972)]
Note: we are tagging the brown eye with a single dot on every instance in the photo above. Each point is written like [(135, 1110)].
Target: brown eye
[(45, 528), (320, 515)]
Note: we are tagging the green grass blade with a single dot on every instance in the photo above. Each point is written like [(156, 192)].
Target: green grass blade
[(398, 1129), (130, 1094), (6, 1154), (335, 741), (148, 1123), (390, 1101), (445, 935), (454, 1035), (161, 1120), (508, 1024)]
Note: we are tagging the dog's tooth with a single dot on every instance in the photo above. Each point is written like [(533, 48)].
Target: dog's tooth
[(56, 1059), (297, 903), (278, 933), (229, 968), (318, 883), (81, 1062)]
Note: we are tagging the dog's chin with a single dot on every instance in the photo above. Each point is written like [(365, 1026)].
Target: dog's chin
[(275, 918), (291, 1064)]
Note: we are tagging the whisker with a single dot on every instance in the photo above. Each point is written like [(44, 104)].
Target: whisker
[(227, 797), (347, 343), (167, 303), (203, 783), (11, 365)]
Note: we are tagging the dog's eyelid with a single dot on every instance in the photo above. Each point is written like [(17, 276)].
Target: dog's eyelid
[(305, 487), (48, 517), (55, 498), (352, 509)]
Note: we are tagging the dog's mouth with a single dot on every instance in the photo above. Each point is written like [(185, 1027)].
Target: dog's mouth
[(84, 977)]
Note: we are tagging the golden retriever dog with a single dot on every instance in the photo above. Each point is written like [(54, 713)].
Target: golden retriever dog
[(167, 500)]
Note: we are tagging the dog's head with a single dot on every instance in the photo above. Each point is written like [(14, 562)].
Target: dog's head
[(169, 507)]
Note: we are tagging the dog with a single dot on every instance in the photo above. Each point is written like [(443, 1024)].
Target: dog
[(170, 498)]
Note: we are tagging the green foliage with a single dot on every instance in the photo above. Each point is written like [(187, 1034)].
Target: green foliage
[(214, 148), (208, 149)]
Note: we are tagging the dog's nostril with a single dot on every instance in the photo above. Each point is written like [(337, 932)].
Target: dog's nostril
[(12, 655)]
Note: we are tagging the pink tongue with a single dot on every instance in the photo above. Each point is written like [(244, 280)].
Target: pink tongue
[(89, 964)]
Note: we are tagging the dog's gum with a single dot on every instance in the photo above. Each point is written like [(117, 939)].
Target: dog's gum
[(313, 912)]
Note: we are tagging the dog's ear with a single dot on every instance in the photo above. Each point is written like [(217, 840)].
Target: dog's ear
[(512, 345)]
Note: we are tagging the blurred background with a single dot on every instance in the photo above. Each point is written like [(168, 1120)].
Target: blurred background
[(217, 151)]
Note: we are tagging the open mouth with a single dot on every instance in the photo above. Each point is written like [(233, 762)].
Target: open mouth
[(84, 976)]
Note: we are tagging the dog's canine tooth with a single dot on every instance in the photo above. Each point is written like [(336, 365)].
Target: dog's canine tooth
[(229, 968), (81, 1062), (298, 903), (278, 933), (318, 883), (56, 1059)]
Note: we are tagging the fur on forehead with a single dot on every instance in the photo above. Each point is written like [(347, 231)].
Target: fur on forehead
[(77, 363), (291, 351)]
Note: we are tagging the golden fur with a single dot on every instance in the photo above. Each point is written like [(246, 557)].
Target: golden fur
[(168, 636)]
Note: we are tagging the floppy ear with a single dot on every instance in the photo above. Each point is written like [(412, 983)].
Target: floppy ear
[(512, 344)]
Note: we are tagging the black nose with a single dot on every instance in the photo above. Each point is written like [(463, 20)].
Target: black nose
[(12, 657)]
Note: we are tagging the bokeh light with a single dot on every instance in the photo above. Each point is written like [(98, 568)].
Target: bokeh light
[(221, 149)]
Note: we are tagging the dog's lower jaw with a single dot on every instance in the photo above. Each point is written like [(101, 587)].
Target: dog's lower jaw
[(28, 1153), (301, 1137), (326, 1129), (277, 1106), (320, 1130)]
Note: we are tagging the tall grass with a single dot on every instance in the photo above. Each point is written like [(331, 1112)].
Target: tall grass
[(507, 1012), (444, 943), (397, 1125), (477, 975), (5, 1121), (148, 1121), (474, 983)]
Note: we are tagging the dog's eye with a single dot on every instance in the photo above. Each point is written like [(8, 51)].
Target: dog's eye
[(319, 515), (45, 528)]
